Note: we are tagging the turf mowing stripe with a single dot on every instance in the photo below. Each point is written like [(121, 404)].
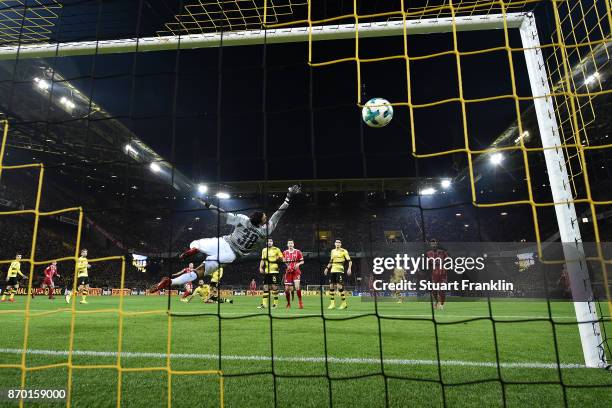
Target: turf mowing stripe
[(345, 360)]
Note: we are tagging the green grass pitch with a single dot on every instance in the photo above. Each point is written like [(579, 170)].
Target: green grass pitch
[(464, 340)]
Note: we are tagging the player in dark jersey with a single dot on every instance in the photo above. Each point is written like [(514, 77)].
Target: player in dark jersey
[(248, 233), (435, 259)]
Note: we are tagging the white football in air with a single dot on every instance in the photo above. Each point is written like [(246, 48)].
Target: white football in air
[(377, 112)]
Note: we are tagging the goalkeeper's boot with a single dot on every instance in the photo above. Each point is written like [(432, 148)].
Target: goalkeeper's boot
[(343, 306), (163, 284), (188, 253), (12, 300), (261, 306), (332, 305), (83, 302)]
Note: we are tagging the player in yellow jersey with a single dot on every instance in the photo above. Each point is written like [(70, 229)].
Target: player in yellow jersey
[(269, 267), (203, 291), (337, 259), (82, 267), (398, 275), (11, 279), (215, 281)]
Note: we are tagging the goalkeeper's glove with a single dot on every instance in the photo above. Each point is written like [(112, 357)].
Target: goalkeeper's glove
[(295, 189)]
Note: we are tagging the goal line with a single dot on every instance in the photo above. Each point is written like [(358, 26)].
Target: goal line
[(298, 359)]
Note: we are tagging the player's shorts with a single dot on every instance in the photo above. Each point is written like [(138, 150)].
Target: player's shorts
[(82, 280), (290, 277), (271, 279), (12, 281), (439, 277), (48, 282), (218, 253), (337, 277)]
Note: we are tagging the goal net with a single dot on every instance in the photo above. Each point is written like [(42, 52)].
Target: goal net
[(134, 129)]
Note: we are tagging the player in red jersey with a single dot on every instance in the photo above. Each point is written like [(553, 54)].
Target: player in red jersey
[(50, 272), (253, 287), (435, 261), (188, 287), (188, 290), (293, 259), (564, 282)]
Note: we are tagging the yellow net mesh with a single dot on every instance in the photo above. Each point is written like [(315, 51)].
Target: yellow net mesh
[(584, 30), (204, 16), (24, 21), (582, 34), (581, 38), (119, 311)]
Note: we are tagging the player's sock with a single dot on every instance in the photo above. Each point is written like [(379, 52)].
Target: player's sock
[(342, 295), (184, 278), (275, 296), (13, 291), (264, 298), (292, 294), (3, 297), (442, 298), (332, 294), (299, 293), (288, 296)]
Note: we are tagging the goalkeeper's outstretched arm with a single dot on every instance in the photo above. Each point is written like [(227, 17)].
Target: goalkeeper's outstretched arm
[(281, 210), (230, 218)]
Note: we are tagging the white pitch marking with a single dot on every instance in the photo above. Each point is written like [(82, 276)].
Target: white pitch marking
[(342, 360)]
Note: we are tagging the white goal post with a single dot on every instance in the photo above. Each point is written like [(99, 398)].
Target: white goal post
[(586, 315)]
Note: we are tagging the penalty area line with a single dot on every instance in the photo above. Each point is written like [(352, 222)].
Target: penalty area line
[(295, 359)]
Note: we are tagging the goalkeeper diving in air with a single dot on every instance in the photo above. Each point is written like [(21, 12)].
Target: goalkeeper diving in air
[(249, 232)]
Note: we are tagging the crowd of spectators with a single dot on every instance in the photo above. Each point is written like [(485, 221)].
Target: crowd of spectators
[(314, 226)]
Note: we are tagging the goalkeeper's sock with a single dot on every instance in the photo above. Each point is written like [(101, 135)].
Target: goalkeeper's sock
[(184, 278), (288, 296), (264, 299), (341, 290), (275, 296)]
